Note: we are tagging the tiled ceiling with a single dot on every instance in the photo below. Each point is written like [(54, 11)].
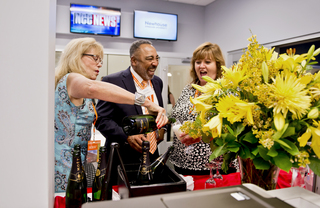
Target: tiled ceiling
[(195, 2)]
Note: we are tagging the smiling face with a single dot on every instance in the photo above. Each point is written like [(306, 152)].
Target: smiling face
[(207, 59), (205, 67), (145, 61), (90, 64)]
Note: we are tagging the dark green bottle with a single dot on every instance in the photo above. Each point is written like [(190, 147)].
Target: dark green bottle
[(141, 124), (144, 175), (106, 189), (100, 174), (76, 193), (83, 173), (157, 166)]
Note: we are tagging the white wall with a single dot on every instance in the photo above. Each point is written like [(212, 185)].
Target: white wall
[(227, 22), (27, 42), (190, 26)]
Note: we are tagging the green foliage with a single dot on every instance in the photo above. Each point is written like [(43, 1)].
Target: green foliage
[(315, 165), (282, 160), (260, 163)]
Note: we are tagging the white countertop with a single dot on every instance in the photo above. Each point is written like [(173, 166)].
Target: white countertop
[(295, 196)]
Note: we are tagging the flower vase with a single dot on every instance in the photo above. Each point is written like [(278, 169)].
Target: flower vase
[(265, 179)]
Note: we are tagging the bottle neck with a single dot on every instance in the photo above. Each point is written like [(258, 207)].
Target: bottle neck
[(145, 158), (103, 164), (76, 168)]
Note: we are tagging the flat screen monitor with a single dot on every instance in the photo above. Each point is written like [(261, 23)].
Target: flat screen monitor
[(155, 25), (95, 20)]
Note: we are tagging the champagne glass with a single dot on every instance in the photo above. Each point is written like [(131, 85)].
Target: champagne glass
[(176, 129), (217, 165), (210, 183)]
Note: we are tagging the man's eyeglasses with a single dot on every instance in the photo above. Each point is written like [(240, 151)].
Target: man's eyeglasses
[(96, 58)]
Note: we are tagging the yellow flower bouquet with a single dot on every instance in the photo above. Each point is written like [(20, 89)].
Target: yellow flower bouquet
[(265, 108)]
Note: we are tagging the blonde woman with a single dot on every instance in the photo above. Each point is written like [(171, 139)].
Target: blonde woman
[(75, 87)]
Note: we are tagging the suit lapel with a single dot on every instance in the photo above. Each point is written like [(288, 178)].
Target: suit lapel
[(158, 91), (128, 82)]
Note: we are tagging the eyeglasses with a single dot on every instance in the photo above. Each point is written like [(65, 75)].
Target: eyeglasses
[(96, 58)]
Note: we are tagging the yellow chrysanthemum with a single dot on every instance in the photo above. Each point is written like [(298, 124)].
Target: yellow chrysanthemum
[(315, 90), (288, 94), (214, 125), (234, 109)]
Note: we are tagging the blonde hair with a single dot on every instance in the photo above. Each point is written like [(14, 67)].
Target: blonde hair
[(70, 60), (206, 50)]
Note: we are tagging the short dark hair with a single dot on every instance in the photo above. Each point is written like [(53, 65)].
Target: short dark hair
[(136, 44)]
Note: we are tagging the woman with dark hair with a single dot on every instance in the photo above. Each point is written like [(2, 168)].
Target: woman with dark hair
[(207, 60)]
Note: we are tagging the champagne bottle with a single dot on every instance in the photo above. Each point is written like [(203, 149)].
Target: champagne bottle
[(100, 174), (140, 124), (144, 175), (106, 189), (77, 147), (76, 193), (157, 166)]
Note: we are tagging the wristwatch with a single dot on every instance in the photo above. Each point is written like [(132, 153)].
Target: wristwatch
[(139, 98)]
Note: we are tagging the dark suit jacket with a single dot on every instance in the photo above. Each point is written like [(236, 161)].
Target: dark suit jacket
[(110, 115)]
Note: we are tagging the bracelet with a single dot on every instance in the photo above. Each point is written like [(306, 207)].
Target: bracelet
[(139, 98)]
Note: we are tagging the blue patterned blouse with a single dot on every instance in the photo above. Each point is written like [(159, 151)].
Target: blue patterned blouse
[(72, 125)]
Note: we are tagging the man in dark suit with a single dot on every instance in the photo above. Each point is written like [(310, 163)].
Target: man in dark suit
[(144, 61)]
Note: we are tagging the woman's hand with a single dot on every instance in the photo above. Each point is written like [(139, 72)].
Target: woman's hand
[(188, 140), (155, 109)]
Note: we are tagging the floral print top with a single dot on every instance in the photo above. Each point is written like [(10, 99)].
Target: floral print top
[(72, 125)]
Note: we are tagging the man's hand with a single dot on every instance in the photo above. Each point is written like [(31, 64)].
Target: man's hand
[(135, 141)]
